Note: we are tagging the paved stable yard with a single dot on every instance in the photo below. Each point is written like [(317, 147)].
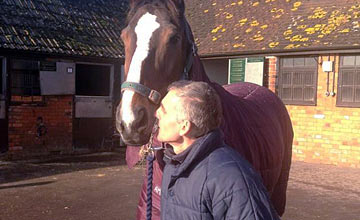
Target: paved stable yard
[(100, 186)]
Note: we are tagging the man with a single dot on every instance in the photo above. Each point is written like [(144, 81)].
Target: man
[(203, 177)]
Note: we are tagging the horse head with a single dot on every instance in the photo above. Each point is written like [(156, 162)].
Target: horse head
[(157, 42)]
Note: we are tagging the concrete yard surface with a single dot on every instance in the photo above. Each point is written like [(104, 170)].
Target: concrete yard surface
[(100, 186)]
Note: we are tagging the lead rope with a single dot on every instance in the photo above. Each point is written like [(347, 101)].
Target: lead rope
[(150, 159)]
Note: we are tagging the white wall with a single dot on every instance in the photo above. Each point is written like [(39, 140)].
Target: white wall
[(217, 70)]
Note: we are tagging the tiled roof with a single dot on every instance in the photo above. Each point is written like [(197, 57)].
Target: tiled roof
[(69, 27), (228, 27)]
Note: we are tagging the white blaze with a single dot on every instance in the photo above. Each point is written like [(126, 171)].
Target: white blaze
[(144, 29)]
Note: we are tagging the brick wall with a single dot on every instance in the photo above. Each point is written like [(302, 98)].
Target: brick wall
[(325, 133), (270, 73), (56, 134)]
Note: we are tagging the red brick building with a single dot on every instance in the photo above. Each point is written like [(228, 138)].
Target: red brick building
[(60, 72), (311, 53), (61, 61)]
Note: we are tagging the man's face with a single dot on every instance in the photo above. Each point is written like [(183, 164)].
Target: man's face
[(169, 127)]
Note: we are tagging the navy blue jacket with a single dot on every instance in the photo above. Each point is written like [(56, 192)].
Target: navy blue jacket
[(213, 182)]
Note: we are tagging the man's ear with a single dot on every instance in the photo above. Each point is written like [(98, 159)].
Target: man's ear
[(185, 128)]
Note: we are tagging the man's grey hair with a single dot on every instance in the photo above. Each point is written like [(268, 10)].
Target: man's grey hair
[(200, 105)]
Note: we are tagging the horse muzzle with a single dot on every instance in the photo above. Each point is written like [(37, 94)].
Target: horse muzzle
[(136, 132)]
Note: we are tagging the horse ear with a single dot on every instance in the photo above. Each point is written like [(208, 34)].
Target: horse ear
[(179, 5), (133, 3)]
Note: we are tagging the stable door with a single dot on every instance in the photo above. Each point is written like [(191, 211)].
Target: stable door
[(3, 107)]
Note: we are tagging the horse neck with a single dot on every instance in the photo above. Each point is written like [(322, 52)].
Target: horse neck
[(197, 71)]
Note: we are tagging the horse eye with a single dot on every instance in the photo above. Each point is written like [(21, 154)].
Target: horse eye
[(174, 39)]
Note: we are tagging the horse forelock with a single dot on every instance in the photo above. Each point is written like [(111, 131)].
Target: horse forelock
[(175, 10)]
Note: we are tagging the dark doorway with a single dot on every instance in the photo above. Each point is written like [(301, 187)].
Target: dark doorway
[(3, 109), (93, 88), (92, 80)]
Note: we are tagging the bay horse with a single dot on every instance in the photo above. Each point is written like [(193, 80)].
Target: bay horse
[(160, 49)]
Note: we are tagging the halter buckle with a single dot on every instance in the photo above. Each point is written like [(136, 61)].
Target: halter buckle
[(154, 96)]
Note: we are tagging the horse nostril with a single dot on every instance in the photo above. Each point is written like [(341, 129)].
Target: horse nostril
[(142, 128), (141, 120), (141, 113), (119, 122), (120, 126)]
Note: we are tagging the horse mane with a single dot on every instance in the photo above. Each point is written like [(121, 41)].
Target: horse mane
[(176, 11)]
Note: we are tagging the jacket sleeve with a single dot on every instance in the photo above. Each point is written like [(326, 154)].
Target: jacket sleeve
[(231, 195)]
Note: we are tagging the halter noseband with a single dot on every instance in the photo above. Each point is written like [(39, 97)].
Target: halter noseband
[(153, 95)]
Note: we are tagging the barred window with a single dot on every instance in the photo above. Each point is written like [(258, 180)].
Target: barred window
[(349, 82), (24, 77), (297, 80)]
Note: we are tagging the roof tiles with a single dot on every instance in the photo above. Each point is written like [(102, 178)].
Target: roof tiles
[(81, 27), (221, 27), (224, 27)]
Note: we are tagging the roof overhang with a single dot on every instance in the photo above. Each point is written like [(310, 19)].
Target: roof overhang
[(315, 51)]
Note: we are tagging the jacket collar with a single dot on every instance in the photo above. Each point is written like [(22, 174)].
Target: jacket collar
[(200, 149), (174, 158)]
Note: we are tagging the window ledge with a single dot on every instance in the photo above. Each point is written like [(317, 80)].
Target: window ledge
[(16, 99)]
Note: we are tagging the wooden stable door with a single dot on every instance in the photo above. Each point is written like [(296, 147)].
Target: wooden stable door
[(93, 104), (3, 107)]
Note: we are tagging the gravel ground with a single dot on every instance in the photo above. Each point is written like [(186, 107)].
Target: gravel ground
[(100, 186)]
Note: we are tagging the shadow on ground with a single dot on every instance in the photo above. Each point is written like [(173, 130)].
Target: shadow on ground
[(11, 171)]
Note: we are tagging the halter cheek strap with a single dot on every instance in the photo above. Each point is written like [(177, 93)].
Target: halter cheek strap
[(192, 53), (153, 95)]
